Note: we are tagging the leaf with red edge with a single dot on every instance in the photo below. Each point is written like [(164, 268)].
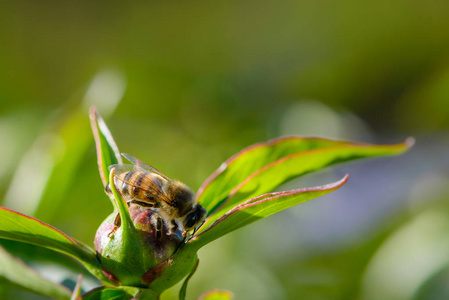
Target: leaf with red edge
[(262, 167), (258, 208), (107, 150), (19, 227), (41, 255), (77, 290)]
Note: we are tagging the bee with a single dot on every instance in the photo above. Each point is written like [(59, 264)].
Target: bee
[(144, 185)]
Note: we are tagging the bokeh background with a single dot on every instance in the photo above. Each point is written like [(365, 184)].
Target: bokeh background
[(184, 85)]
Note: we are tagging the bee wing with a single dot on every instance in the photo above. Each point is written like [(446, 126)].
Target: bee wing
[(143, 166), (152, 187), (122, 168), (157, 192)]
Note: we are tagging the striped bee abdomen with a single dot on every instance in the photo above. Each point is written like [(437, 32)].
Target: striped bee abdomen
[(124, 183), (140, 186)]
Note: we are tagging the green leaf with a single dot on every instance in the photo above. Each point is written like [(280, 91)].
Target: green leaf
[(34, 253), (18, 273), (107, 150), (217, 295), (183, 291), (77, 290), (106, 293), (262, 167), (19, 227), (258, 208)]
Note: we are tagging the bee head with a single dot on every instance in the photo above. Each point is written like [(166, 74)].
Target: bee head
[(194, 218)]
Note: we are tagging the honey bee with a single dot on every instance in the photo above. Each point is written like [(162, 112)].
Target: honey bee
[(144, 185)]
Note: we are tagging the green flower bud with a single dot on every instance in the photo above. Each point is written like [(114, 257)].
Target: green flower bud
[(135, 255)]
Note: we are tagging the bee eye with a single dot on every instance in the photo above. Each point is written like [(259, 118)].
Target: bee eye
[(191, 220)]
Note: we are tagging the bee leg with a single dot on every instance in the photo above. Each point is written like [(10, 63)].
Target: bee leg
[(185, 232), (141, 203), (174, 227), (185, 237), (158, 227), (117, 223)]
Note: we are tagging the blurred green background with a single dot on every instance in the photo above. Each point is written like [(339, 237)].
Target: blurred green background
[(185, 85)]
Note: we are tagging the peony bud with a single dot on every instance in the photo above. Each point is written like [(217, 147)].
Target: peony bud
[(131, 253)]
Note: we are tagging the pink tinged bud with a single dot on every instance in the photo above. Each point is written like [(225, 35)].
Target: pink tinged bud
[(136, 256)]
